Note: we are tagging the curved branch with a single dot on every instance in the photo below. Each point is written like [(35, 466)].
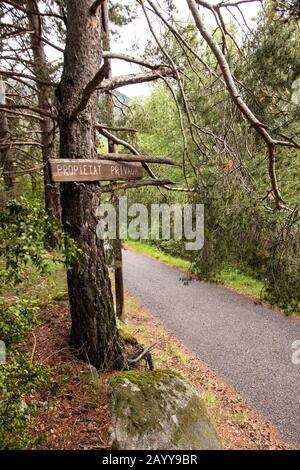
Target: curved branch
[(125, 144), (180, 38)]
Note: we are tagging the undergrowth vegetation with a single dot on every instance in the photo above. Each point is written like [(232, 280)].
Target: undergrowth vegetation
[(26, 237)]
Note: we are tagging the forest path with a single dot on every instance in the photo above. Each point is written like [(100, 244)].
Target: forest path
[(247, 345)]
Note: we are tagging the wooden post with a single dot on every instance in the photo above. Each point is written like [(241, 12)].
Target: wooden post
[(117, 244)]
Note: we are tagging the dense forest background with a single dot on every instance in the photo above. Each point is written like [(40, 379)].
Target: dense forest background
[(224, 160)]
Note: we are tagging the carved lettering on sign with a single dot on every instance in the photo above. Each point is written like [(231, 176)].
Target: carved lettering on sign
[(64, 170)]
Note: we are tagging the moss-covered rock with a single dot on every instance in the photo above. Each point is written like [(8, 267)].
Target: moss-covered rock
[(159, 410)]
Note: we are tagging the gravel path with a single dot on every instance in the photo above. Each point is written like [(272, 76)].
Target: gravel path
[(248, 345)]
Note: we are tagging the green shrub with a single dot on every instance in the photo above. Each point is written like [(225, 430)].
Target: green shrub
[(260, 243), (26, 236), (17, 320), (19, 379)]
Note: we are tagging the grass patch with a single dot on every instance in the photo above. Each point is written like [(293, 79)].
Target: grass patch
[(57, 278), (242, 283), (177, 352), (209, 398), (154, 252), (239, 418)]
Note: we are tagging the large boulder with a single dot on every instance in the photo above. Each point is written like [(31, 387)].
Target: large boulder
[(159, 410)]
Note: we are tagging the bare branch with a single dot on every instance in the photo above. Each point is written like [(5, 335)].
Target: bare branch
[(25, 10), (235, 4), (12, 113), (125, 144), (135, 184), (128, 58), (284, 143), (143, 354), (123, 157), (116, 129), (132, 79), (46, 41), (216, 6), (16, 32), (40, 111), (28, 171), (23, 143), (117, 140), (289, 142), (24, 82), (180, 38), (181, 88), (7, 73)]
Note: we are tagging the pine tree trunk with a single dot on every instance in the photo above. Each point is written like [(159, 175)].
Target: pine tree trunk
[(40, 67), (94, 332), (6, 158)]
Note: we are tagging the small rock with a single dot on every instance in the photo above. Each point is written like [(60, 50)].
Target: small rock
[(91, 372)]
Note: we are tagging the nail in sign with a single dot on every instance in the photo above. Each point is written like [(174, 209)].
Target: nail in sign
[(72, 170)]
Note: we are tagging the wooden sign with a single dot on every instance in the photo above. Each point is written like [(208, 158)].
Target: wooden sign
[(72, 170)]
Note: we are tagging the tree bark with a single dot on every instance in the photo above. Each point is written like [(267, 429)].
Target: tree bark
[(6, 156), (40, 66), (94, 332)]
